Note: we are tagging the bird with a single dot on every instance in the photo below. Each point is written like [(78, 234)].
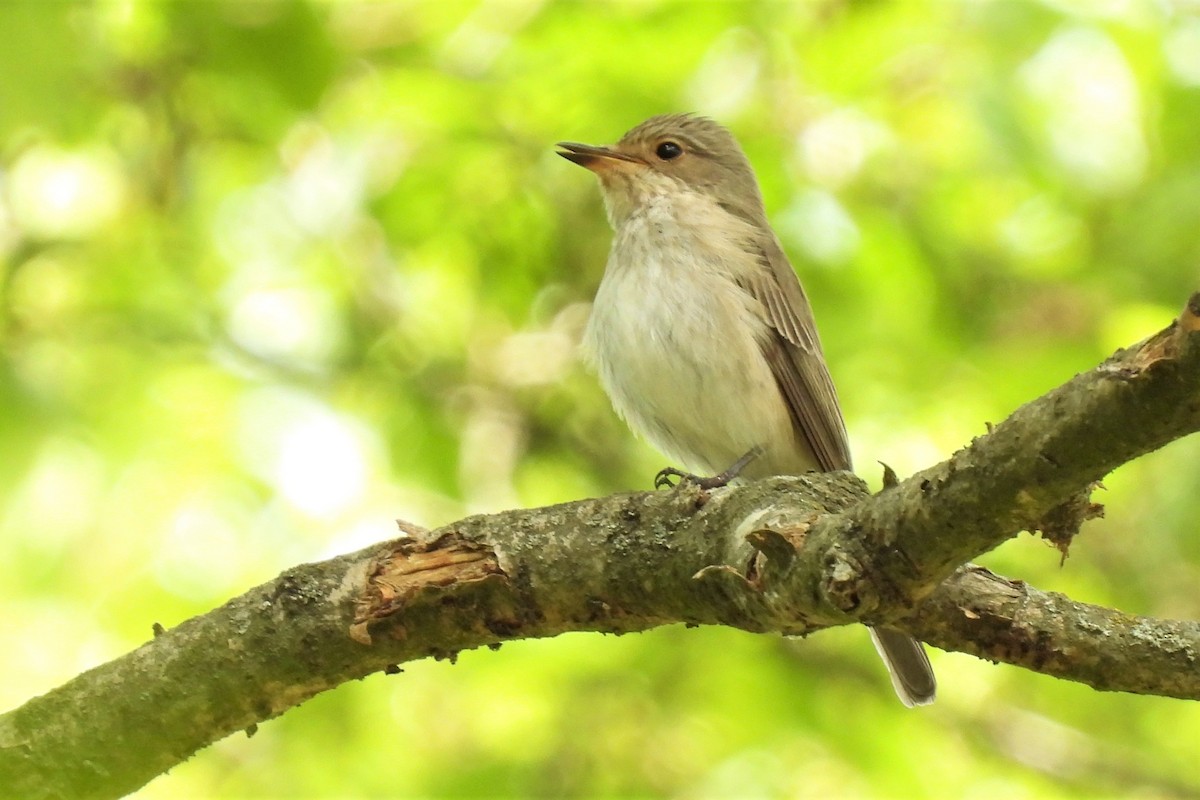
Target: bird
[(701, 333)]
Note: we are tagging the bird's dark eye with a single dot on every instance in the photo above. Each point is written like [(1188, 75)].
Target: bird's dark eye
[(668, 150)]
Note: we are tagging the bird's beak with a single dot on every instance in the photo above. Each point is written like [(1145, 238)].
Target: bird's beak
[(594, 158)]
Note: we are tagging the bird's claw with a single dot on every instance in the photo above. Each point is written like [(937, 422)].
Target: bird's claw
[(663, 479)]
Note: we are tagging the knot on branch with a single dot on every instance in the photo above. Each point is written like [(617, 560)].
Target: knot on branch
[(772, 549), (776, 541), (845, 585), (414, 568), (776, 538)]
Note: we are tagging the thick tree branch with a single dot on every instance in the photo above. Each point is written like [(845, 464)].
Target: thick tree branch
[(786, 554)]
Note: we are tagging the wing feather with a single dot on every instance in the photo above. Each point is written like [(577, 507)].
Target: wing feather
[(795, 357)]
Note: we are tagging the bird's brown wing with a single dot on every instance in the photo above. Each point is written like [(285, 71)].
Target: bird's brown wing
[(795, 356)]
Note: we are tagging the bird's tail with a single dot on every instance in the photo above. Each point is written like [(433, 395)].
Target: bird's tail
[(912, 676)]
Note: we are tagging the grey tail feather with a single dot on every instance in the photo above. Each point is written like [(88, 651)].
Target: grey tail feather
[(912, 676)]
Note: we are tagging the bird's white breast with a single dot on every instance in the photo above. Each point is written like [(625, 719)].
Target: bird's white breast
[(676, 341)]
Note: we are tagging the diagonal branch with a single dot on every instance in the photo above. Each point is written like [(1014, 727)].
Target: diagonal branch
[(790, 555)]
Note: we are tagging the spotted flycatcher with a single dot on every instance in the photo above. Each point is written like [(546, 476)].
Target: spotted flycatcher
[(701, 333)]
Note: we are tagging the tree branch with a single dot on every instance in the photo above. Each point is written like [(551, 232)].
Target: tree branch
[(790, 555), (985, 615)]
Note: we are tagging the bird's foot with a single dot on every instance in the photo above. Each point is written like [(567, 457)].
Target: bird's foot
[(663, 479)]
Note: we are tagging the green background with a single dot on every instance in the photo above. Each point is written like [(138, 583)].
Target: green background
[(274, 274)]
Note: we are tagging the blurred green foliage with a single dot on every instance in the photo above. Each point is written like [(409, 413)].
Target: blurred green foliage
[(275, 273)]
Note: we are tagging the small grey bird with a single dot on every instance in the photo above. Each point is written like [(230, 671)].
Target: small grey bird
[(701, 333)]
